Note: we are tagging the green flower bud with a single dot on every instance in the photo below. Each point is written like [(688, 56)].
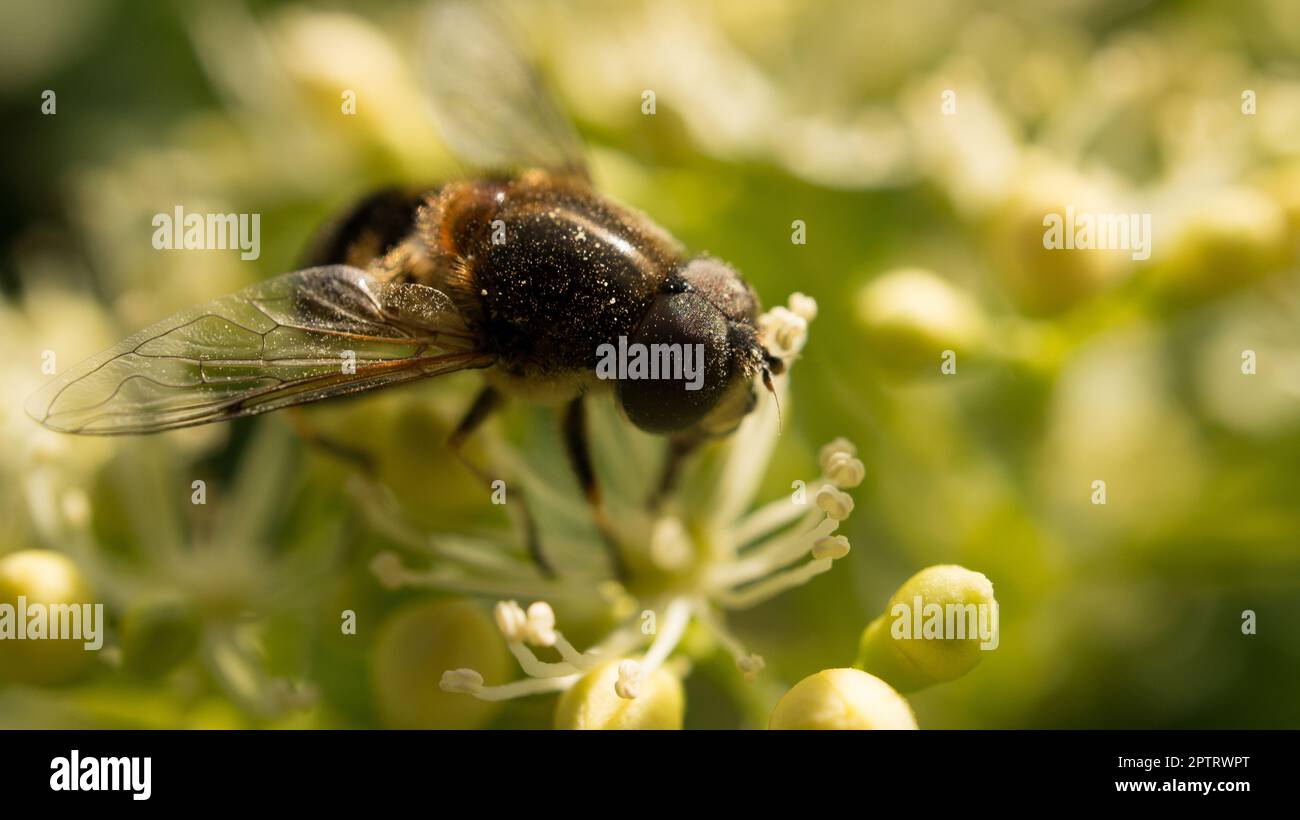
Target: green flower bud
[(842, 699), (46, 578), (1220, 243), (912, 316), (1042, 280), (614, 695), (935, 629), (159, 634), (420, 642)]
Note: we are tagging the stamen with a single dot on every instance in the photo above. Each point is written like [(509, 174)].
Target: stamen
[(534, 667), (390, 572), (469, 682), (833, 547), (461, 681), (572, 656), (783, 332), (845, 471), (537, 490), (803, 306), (671, 628), (771, 556), (746, 462), (773, 586), (385, 515), (828, 451), (670, 544), (771, 517), (628, 685), (388, 569), (511, 620), (679, 666), (536, 626), (749, 664), (541, 624), (619, 642), (836, 503)]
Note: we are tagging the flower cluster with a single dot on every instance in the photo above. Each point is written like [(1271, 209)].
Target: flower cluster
[(691, 557)]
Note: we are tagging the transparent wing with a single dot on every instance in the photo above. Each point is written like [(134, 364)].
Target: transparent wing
[(300, 337), (487, 99)]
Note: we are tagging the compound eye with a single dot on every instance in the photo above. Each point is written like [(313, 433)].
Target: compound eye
[(684, 361)]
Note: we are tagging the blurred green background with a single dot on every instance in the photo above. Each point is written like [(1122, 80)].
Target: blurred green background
[(921, 144)]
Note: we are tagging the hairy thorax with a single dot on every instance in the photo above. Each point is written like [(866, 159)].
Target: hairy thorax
[(550, 269)]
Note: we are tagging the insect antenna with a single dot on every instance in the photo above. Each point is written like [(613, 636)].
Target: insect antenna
[(767, 382)]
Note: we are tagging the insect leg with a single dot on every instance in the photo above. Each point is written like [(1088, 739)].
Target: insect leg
[(578, 447), (488, 401), (358, 457), (679, 448)]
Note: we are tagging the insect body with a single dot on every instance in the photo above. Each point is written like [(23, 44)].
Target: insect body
[(526, 275), (549, 271)]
